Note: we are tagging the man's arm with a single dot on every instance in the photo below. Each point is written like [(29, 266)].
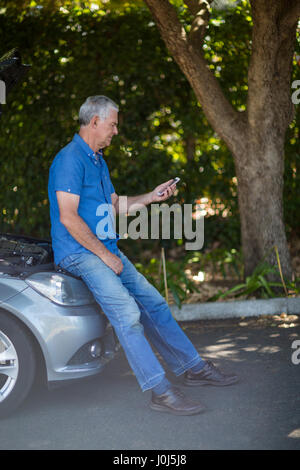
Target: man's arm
[(80, 231), (135, 202)]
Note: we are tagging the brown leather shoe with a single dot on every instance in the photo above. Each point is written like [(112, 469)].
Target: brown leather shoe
[(209, 375), (174, 401)]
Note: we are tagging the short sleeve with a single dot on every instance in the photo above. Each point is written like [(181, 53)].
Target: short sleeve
[(68, 173), (111, 186)]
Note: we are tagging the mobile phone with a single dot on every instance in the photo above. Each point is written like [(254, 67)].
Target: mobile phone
[(175, 180)]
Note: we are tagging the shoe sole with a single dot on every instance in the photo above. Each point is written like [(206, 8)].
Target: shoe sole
[(209, 382), (164, 409)]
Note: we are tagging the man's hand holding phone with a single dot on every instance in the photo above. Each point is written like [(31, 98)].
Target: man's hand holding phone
[(164, 190)]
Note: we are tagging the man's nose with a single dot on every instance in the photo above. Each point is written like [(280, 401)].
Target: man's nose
[(116, 130)]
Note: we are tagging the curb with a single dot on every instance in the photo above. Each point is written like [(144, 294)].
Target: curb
[(236, 309)]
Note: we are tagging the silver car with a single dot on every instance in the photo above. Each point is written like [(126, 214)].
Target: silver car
[(50, 323)]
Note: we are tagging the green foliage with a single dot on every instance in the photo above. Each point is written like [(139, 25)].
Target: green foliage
[(222, 260), (177, 281), (259, 285), (226, 262)]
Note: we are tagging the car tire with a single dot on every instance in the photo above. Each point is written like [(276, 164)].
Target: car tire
[(17, 364)]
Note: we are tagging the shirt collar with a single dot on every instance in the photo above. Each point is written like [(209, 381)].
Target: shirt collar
[(87, 149)]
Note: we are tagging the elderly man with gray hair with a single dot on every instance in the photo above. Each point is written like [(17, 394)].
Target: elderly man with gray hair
[(79, 182)]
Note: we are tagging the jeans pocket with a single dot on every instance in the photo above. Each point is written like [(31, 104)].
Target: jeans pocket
[(69, 263)]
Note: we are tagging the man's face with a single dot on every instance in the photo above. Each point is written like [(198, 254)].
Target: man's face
[(105, 130)]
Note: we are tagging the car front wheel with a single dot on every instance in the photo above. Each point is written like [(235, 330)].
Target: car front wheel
[(17, 364)]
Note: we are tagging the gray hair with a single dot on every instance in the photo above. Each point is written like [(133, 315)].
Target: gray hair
[(98, 105)]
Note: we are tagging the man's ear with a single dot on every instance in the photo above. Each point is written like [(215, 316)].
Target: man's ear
[(94, 121)]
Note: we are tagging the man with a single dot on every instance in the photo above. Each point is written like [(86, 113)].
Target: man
[(79, 185)]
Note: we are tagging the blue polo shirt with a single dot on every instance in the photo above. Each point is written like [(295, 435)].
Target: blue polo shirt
[(77, 169)]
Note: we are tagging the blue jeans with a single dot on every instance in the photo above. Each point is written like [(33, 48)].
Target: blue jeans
[(134, 307)]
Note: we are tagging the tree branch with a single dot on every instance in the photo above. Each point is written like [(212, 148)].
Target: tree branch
[(172, 32), (201, 14), (225, 120)]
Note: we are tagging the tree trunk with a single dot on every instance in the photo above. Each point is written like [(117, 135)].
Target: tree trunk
[(255, 137), (190, 147), (269, 112), (260, 187)]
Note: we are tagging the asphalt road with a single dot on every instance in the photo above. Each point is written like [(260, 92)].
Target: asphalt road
[(262, 411)]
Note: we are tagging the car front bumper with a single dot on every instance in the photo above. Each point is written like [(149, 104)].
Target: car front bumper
[(65, 334)]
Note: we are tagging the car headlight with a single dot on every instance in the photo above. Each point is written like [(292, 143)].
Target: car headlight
[(61, 289)]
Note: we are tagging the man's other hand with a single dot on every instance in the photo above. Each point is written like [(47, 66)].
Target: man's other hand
[(113, 262)]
